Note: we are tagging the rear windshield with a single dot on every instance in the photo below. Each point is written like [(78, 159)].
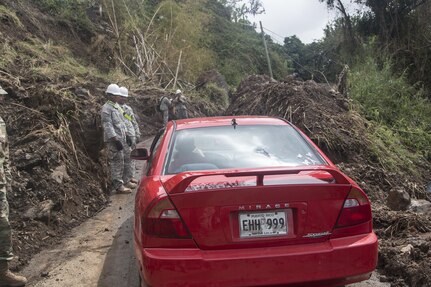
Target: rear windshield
[(226, 147)]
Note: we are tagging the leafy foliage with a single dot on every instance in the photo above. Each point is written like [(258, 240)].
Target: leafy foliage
[(392, 102), (240, 9)]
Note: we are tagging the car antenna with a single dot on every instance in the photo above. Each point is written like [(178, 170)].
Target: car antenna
[(234, 123)]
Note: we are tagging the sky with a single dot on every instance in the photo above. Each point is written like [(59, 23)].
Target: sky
[(304, 18)]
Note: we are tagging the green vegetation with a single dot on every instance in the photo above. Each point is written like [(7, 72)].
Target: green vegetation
[(388, 81), (401, 111), (68, 10), (216, 95)]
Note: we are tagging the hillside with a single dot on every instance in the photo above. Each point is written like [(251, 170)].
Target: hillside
[(56, 75)]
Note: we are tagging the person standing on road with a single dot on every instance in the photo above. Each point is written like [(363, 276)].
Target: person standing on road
[(114, 135), (180, 103), (7, 278), (133, 135), (164, 107)]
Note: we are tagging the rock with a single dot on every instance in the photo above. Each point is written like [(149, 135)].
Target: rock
[(44, 274), (81, 92), (28, 160), (407, 249), (60, 174), (40, 211), (420, 206), (398, 199), (428, 189)]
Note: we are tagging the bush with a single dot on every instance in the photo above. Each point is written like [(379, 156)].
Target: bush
[(217, 95), (401, 111)]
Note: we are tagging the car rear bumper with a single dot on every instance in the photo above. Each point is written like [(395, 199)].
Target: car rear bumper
[(336, 262)]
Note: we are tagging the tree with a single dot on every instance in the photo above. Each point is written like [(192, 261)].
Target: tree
[(350, 36), (240, 9)]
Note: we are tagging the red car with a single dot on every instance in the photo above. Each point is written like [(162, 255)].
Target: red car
[(248, 201)]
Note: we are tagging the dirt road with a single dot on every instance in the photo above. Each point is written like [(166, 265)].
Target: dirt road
[(99, 253)]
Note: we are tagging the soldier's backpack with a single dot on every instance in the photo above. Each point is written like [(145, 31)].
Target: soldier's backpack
[(159, 104)]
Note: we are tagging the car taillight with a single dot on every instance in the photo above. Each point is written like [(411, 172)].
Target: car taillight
[(164, 221), (355, 217)]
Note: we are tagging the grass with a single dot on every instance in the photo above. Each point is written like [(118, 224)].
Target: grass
[(53, 61), (8, 54), (6, 13), (69, 10)]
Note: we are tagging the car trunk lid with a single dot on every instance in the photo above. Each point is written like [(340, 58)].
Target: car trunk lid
[(259, 207)]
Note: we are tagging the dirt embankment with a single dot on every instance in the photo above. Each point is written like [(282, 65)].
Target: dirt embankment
[(325, 116)]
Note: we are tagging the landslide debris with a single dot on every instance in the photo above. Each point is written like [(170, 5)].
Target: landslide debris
[(58, 167), (327, 118)]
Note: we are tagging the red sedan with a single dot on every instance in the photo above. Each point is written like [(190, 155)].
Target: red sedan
[(248, 201)]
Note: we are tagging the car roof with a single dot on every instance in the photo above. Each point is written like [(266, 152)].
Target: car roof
[(192, 123)]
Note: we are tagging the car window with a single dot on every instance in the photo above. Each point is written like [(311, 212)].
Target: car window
[(250, 146)]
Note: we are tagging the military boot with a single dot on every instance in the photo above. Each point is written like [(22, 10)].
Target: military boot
[(123, 190), (131, 185), (9, 279)]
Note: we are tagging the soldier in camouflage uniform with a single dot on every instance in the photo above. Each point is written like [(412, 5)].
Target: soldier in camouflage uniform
[(114, 135), (165, 106), (7, 278), (180, 103), (132, 136)]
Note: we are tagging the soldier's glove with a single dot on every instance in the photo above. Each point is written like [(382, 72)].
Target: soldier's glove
[(129, 141), (119, 145)]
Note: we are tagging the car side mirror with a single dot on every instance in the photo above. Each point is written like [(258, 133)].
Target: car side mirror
[(140, 154)]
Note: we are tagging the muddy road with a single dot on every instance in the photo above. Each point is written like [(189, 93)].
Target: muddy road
[(99, 253)]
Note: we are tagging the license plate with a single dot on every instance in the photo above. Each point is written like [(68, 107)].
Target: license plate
[(262, 224)]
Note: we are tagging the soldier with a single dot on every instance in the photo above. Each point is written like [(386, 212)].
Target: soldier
[(7, 278), (180, 105), (114, 135), (133, 135), (164, 107)]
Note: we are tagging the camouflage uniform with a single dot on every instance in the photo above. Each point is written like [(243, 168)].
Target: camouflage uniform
[(180, 107), (164, 108), (134, 133), (5, 181), (114, 126)]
